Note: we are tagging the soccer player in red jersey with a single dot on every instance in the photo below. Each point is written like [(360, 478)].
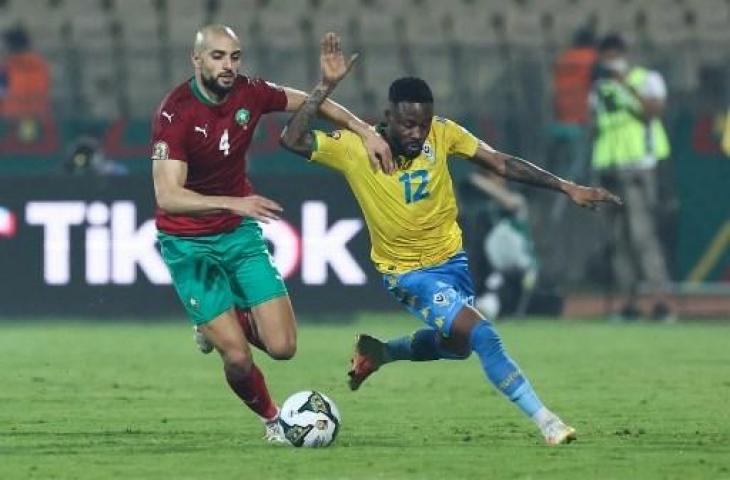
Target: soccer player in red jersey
[(207, 212)]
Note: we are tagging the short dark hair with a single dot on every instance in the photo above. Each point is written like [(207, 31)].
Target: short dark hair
[(410, 89), (17, 39), (613, 41)]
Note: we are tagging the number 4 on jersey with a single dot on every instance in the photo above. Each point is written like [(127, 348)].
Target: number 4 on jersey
[(223, 144)]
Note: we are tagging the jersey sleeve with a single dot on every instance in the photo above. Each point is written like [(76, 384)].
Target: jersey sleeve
[(332, 150), (460, 141), (168, 134), (271, 95)]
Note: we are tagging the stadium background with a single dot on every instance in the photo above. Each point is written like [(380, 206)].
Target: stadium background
[(131, 397), (489, 63)]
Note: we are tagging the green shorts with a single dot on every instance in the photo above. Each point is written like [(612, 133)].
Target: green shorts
[(212, 273)]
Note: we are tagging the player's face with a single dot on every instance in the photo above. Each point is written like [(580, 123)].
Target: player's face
[(408, 127), (219, 63)]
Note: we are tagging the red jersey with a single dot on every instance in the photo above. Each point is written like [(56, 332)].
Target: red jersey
[(212, 139)]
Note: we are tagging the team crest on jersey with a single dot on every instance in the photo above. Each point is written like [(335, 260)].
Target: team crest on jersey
[(160, 151), (427, 150), (242, 116), (336, 134)]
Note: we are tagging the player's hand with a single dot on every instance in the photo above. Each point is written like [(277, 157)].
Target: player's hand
[(255, 206), (332, 61), (591, 197), (379, 152)]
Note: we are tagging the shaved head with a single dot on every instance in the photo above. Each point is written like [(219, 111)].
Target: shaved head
[(205, 34), (216, 57)]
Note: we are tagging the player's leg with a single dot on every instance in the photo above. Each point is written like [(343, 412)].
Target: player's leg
[(257, 285), (469, 332), (428, 294), (203, 286), (245, 319), (276, 325), (470, 329), (242, 374), (442, 297)]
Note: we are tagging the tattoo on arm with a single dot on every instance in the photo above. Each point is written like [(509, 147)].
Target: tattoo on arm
[(297, 135), (523, 171)]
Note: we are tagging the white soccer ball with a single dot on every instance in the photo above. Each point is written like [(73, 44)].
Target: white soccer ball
[(309, 419)]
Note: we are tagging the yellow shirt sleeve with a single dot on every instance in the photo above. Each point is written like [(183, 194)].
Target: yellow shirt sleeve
[(460, 140), (332, 149)]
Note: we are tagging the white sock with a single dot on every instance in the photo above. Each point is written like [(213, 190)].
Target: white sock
[(542, 417)]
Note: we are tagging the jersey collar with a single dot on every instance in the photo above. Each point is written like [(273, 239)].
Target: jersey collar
[(199, 95)]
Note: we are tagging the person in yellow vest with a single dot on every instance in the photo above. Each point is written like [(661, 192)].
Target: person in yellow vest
[(627, 103)]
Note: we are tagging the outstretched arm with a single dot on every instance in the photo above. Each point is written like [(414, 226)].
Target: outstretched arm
[(376, 146), (297, 135), (515, 168)]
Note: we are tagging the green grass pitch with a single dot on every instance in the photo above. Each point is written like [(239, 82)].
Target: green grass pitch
[(136, 401)]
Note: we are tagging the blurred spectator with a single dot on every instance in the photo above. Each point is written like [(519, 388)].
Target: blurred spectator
[(571, 86), (27, 78), (629, 142), (508, 248), (572, 79), (24, 86)]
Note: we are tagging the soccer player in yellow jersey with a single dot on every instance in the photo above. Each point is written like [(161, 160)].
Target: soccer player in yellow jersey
[(416, 241)]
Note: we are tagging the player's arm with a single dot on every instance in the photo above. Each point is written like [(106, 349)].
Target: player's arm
[(172, 197), (378, 149), (297, 136), (515, 168)]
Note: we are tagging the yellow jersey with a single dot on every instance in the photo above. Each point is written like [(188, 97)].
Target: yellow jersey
[(410, 214)]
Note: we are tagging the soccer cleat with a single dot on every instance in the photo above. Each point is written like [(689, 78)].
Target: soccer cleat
[(556, 432), (274, 433), (369, 356), (203, 344)]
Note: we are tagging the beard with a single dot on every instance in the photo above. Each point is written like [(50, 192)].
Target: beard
[(211, 83), (410, 150)]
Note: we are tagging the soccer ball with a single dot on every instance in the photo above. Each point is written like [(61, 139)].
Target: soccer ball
[(309, 419)]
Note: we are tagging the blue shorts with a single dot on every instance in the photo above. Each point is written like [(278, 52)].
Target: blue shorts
[(435, 294)]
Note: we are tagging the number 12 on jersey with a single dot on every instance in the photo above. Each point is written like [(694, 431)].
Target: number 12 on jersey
[(417, 179)]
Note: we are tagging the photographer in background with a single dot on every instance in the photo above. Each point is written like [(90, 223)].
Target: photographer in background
[(629, 142)]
